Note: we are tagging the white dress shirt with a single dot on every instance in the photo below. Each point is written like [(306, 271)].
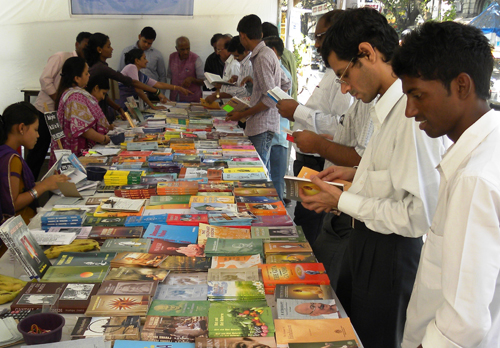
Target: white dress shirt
[(456, 297), (245, 70), (323, 108), (396, 184), (231, 68)]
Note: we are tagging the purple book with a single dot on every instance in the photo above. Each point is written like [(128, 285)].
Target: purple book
[(278, 220)]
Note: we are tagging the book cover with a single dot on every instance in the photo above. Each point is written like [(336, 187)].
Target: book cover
[(243, 191), (236, 262), (118, 305), (75, 274), (291, 258), (160, 246), (103, 232), (148, 344), (290, 273), (213, 207), (259, 209), (303, 291), (63, 297), (302, 330), (143, 273), (168, 308), (84, 259), (256, 199), (235, 290), (119, 287), (294, 185), (191, 278), (104, 221), (279, 234), (174, 329), (233, 274), (234, 342), (216, 187), (279, 220), (160, 200), (137, 259), (18, 238), (171, 233), (111, 328), (287, 247), (233, 247), (138, 245), (237, 219), (189, 264), (306, 309), (187, 219), (213, 199), (205, 231), (144, 221), (196, 292), (262, 184), (81, 232), (240, 319)]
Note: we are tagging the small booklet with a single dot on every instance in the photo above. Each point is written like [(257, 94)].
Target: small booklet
[(236, 104), (278, 94)]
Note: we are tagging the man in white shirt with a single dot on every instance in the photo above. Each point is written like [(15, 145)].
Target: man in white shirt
[(394, 191), (320, 115), (456, 298)]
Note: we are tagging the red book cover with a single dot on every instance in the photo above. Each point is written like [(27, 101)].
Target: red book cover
[(160, 246), (187, 219), (294, 273), (135, 153)]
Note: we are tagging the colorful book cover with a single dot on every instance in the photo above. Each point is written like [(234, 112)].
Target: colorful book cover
[(294, 185), (184, 263), (245, 176), (242, 191), (244, 261), (75, 274), (213, 199), (262, 184), (132, 273), (111, 328), (291, 258), (118, 305), (65, 297), (304, 291), (256, 199), (191, 278), (240, 319), (205, 231), (171, 233), (233, 342), (259, 209), (233, 247), (144, 221), (216, 187), (235, 290), (174, 329), (102, 232), (267, 221), (119, 287), (160, 200), (137, 259), (187, 219), (290, 273), (196, 292), (84, 259), (213, 207), (102, 221), (287, 247), (277, 232), (306, 309), (160, 246), (233, 274), (149, 344), (167, 308), (303, 330), (138, 245)]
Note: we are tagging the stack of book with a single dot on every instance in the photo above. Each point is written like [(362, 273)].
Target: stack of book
[(177, 188), (136, 191), (63, 218), (116, 178)]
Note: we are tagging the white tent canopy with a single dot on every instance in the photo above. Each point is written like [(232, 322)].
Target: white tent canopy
[(32, 30)]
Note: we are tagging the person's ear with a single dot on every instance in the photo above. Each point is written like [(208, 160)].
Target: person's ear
[(367, 51), (464, 85), (139, 36), (21, 128)]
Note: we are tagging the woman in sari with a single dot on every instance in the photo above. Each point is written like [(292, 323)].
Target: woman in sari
[(18, 190), (78, 111)]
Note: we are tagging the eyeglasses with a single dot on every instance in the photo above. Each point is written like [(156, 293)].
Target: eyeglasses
[(339, 79), (312, 307), (319, 36)]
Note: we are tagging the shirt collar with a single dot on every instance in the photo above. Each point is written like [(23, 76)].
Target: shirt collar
[(468, 141), (246, 59), (257, 49), (386, 102), (229, 60)]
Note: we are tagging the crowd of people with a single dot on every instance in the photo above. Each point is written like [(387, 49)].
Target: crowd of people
[(408, 123)]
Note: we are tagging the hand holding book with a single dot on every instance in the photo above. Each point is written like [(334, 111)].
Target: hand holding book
[(324, 201)]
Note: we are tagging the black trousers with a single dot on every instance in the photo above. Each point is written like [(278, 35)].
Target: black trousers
[(310, 221), (376, 282), (331, 244), (36, 156)]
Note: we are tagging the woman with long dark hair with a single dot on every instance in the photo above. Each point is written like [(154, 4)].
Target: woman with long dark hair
[(18, 190)]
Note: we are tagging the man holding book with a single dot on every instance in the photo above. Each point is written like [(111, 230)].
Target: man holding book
[(393, 195), (445, 69)]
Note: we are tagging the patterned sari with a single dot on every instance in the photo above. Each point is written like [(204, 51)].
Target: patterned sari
[(78, 112)]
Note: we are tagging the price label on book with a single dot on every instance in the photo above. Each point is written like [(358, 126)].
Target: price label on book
[(55, 128)]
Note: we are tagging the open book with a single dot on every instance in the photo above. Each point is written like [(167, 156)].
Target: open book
[(278, 94), (294, 184), (214, 78), (237, 104)]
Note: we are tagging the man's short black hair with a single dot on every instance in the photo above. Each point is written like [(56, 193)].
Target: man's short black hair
[(328, 17), (235, 45), (269, 29), (441, 51), (354, 26), (251, 26), (275, 42), (215, 38), (82, 36), (148, 33)]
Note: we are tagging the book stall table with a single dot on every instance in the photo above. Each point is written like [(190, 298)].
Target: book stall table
[(195, 245)]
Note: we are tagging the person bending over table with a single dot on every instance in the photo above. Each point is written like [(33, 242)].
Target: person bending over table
[(18, 190), (136, 60)]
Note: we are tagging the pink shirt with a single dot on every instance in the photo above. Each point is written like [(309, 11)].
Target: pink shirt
[(49, 80)]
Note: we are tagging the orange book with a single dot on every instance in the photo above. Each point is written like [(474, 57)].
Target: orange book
[(244, 261), (320, 330), (294, 273), (205, 231), (259, 209)]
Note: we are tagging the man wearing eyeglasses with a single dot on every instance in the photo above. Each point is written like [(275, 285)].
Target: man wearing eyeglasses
[(394, 190)]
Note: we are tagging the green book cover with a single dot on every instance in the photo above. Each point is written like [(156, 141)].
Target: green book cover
[(240, 319), (84, 259), (76, 274), (138, 245), (229, 290), (167, 308), (233, 247), (159, 200)]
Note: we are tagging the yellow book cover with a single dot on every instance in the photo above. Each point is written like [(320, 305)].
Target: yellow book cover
[(244, 170), (205, 231), (211, 199), (320, 330)]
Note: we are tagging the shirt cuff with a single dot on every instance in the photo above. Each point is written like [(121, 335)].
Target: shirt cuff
[(434, 338), (350, 203), (301, 115)]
